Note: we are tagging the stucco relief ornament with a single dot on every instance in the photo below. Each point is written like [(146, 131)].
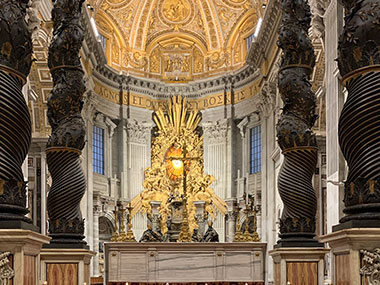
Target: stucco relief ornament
[(6, 272), (176, 11), (371, 265)]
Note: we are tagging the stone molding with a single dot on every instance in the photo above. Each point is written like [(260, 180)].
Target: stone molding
[(138, 132), (242, 126), (89, 106), (267, 99), (215, 132), (269, 29)]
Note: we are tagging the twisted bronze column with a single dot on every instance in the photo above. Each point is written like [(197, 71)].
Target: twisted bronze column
[(66, 226), (294, 134), (359, 123), (15, 123)]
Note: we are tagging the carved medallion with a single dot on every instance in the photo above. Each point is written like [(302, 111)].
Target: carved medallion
[(176, 11)]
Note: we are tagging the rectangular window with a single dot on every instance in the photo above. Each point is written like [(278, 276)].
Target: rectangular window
[(103, 41), (255, 150), (98, 150), (249, 40)]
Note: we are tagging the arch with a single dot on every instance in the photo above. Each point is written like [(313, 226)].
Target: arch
[(180, 37), (250, 16), (101, 16)]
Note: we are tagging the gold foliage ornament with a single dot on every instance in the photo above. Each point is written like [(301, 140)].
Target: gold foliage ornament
[(177, 136)]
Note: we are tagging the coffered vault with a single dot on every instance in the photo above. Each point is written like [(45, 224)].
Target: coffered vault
[(176, 40)]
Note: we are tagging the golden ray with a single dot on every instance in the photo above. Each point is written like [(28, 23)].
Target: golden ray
[(177, 130)]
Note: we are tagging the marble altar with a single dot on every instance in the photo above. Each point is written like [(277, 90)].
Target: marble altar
[(184, 262)]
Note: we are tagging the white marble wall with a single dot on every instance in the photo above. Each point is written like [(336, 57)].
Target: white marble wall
[(335, 169)]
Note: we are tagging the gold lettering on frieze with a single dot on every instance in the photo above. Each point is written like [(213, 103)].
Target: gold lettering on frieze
[(146, 102), (106, 92)]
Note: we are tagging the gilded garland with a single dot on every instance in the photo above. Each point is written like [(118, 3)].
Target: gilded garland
[(177, 136)]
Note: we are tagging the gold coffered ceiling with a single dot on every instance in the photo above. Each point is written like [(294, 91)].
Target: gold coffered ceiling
[(176, 40)]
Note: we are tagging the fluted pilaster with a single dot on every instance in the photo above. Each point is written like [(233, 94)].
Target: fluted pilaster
[(66, 225), (15, 123), (359, 123), (294, 134)]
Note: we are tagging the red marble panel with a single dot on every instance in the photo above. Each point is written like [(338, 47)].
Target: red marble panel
[(299, 273), (62, 273), (29, 270), (342, 265)]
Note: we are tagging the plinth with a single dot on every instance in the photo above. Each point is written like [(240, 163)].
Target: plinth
[(298, 265), (65, 265), (24, 246), (347, 260)]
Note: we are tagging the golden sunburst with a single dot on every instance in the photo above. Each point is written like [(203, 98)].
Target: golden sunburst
[(177, 137)]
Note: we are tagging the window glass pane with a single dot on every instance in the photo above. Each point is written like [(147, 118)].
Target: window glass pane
[(103, 41), (249, 40), (255, 150), (97, 150)]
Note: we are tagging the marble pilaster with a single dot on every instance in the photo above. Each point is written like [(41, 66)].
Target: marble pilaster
[(298, 265), (348, 257), (95, 261), (335, 168), (25, 247)]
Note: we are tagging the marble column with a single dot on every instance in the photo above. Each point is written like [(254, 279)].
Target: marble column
[(95, 262), (335, 168), (215, 160), (267, 217), (138, 153)]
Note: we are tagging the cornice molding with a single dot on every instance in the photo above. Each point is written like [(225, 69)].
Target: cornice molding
[(269, 28)]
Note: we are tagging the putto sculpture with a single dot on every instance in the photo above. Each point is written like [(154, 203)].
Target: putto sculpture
[(15, 123), (295, 137), (66, 225)]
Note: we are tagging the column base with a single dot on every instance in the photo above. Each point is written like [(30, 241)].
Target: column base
[(24, 246), (366, 223), (347, 260), (299, 265), (18, 224), (59, 266)]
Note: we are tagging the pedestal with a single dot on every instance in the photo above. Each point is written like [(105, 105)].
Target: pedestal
[(347, 260), (58, 266), (298, 265), (24, 246)]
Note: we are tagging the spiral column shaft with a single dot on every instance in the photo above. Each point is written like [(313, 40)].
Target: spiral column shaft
[(295, 137), (359, 122), (15, 123), (64, 147)]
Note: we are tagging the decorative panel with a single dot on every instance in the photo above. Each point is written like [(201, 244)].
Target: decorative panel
[(342, 263), (302, 273), (29, 270), (62, 273)]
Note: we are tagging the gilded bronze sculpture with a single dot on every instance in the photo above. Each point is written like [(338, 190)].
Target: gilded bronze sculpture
[(295, 137), (67, 140)]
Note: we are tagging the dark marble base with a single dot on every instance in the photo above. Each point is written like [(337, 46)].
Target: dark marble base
[(18, 224), (298, 242), (365, 223), (67, 244)]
